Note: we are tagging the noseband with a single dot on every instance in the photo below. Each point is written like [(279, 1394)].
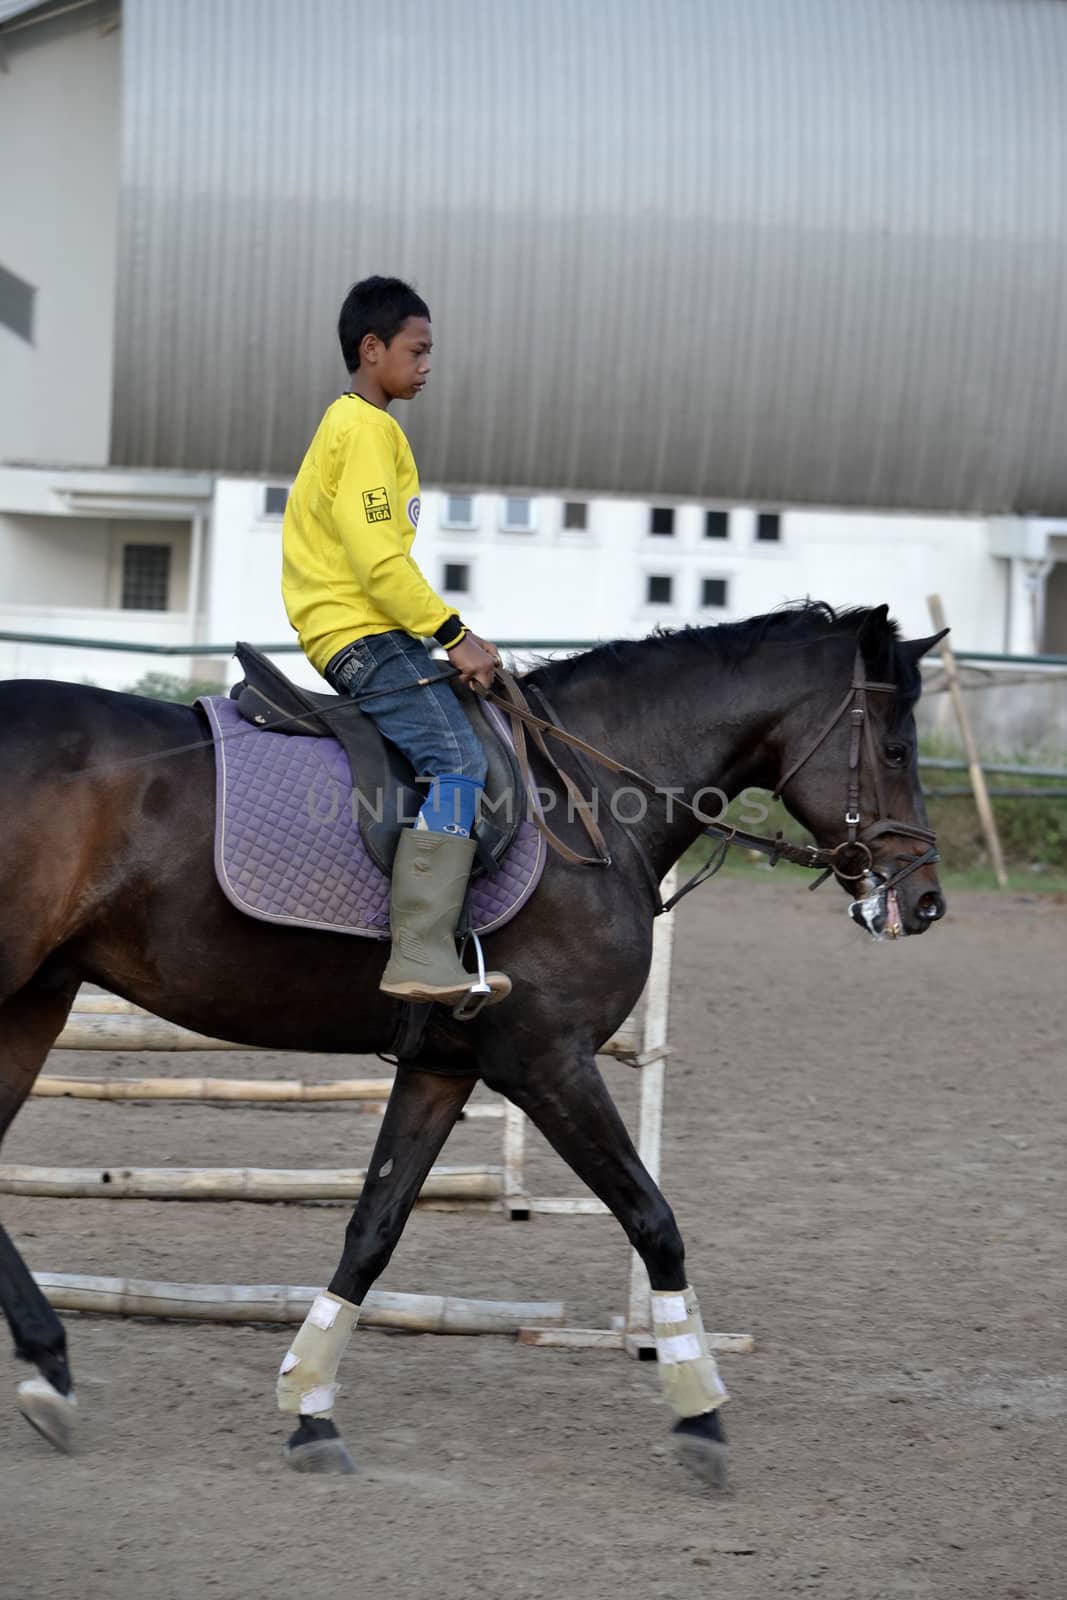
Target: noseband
[(832, 860)]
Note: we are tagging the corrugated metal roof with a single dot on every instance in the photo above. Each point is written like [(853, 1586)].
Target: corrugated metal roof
[(777, 250), (10, 9), (15, 8)]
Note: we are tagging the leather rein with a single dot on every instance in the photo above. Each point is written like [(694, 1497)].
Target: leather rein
[(854, 850)]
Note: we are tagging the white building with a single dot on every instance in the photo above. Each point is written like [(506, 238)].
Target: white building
[(171, 559), (148, 557)]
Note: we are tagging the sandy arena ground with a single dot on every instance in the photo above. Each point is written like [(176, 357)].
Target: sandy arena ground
[(864, 1147)]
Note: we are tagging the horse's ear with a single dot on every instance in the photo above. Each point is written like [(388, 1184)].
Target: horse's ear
[(873, 636), (874, 623), (915, 649)]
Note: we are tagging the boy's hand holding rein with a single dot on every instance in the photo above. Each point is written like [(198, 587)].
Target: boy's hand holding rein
[(475, 660)]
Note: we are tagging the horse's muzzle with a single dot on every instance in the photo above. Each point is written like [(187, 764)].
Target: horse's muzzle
[(930, 907), (887, 914)]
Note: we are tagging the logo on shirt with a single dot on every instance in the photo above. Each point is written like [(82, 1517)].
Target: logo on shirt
[(376, 505), (414, 507)]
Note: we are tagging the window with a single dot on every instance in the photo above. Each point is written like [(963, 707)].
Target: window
[(145, 577), (459, 511), (713, 592), (661, 521), (274, 499), (658, 591), (768, 527), (517, 515), (457, 578), (716, 524), (17, 299), (575, 515)]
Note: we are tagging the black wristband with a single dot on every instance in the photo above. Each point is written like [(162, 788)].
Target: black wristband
[(451, 632)]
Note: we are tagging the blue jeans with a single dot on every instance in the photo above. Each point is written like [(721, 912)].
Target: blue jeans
[(428, 725)]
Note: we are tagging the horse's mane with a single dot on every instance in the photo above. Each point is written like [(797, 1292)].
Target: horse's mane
[(732, 643)]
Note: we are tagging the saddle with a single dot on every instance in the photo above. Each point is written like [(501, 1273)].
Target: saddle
[(267, 699)]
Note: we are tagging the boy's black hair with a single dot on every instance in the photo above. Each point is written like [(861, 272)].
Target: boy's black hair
[(377, 305)]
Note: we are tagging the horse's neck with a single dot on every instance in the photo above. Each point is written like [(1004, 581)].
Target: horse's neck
[(693, 726)]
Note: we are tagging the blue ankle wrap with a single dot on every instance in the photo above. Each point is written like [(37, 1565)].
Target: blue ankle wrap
[(451, 805)]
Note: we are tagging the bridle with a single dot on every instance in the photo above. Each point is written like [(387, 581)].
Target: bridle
[(850, 860), (829, 861)]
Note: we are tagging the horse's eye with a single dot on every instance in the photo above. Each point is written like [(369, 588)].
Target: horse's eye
[(896, 755)]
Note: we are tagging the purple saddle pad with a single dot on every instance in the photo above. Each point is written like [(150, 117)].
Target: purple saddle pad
[(287, 843)]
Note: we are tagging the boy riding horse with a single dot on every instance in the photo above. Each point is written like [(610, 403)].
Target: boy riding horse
[(361, 609)]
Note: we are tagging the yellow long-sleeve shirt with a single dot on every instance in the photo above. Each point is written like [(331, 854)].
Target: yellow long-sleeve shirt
[(350, 522)]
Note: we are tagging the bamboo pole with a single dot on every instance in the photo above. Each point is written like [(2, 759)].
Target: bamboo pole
[(269, 1091), (104, 1022), (625, 1042), (368, 1094), (88, 1031), (974, 765), (741, 1344), (107, 1005), (516, 1200), (223, 1302), (232, 1183)]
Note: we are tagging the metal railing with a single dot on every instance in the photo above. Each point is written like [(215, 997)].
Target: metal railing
[(930, 763), (291, 647)]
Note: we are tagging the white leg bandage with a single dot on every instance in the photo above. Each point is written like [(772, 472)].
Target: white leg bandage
[(307, 1378), (691, 1382)]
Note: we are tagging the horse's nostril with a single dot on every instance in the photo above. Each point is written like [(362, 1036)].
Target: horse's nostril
[(931, 906)]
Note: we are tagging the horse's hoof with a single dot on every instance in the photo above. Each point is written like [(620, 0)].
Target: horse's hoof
[(320, 1455), (702, 1447), (706, 1459), (51, 1413)]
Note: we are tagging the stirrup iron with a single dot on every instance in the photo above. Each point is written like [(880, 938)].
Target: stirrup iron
[(479, 991)]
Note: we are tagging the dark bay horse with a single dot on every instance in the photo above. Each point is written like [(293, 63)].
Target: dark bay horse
[(107, 877)]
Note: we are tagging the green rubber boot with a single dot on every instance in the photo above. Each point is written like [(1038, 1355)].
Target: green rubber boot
[(430, 876)]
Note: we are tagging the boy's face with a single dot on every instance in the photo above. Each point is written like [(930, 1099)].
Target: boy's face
[(402, 366)]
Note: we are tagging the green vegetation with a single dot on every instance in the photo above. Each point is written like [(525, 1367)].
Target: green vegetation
[(165, 686), (746, 864), (1024, 881), (1033, 831)]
